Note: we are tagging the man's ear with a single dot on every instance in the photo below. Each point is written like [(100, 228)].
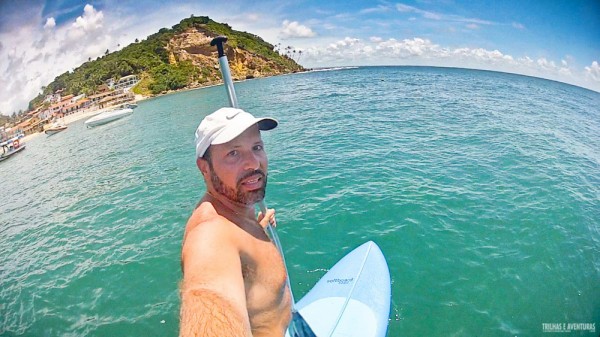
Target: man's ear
[(202, 166)]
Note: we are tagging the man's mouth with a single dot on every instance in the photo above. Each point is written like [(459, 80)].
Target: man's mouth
[(253, 182)]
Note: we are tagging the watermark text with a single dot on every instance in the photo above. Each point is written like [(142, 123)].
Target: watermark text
[(568, 327)]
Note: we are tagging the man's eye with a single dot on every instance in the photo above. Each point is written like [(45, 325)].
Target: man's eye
[(233, 153), (258, 147)]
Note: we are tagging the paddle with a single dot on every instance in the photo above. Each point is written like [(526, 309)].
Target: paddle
[(298, 326)]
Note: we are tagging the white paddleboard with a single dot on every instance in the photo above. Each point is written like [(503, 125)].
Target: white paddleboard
[(353, 298)]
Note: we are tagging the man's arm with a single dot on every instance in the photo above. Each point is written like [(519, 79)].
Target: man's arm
[(213, 298)]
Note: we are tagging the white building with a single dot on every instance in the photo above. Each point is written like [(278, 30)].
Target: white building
[(127, 82)]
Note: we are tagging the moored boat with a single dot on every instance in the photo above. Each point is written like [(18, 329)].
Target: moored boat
[(10, 147), (107, 116), (55, 128)]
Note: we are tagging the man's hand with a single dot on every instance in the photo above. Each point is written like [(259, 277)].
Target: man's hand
[(264, 221)]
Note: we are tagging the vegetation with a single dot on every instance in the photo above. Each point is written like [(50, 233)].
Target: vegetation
[(15, 117), (172, 77), (150, 59), (4, 119)]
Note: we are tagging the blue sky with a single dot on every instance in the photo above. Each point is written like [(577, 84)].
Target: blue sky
[(552, 39)]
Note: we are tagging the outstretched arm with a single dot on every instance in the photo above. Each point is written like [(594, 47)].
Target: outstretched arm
[(207, 313), (213, 298)]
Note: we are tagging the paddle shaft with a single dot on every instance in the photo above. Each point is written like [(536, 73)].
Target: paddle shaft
[(224, 65)]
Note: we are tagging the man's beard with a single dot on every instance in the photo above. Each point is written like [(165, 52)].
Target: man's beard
[(237, 195)]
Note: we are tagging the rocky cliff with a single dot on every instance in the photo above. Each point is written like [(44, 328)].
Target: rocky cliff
[(194, 45)]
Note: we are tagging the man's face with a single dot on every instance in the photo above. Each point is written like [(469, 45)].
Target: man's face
[(238, 169)]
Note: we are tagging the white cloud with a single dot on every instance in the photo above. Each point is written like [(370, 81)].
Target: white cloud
[(291, 29), (527, 61), (593, 71), (347, 42), (405, 8), (431, 15), (481, 56), (50, 23), (518, 25), (253, 17), (407, 48), (472, 23), (565, 71), (545, 64), (329, 26), (410, 9), (41, 50), (89, 23), (422, 51), (378, 9)]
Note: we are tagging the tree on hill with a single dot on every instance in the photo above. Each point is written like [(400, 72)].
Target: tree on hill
[(150, 57)]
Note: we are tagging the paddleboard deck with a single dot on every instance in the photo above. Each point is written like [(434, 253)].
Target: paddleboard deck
[(353, 298)]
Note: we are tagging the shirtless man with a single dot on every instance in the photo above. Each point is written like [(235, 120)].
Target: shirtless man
[(234, 280)]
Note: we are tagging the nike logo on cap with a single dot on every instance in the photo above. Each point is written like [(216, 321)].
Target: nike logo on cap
[(232, 116)]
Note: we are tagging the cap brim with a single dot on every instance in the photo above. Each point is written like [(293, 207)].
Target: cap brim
[(267, 123)]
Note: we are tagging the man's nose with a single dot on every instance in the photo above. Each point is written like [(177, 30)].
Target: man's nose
[(251, 161)]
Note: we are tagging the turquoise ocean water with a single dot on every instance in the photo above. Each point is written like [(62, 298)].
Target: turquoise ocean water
[(482, 189)]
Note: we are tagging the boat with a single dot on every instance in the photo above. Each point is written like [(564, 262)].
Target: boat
[(10, 147), (107, 116), (55, 128)]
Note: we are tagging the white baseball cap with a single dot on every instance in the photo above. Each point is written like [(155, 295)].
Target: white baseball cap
[(224, 125)]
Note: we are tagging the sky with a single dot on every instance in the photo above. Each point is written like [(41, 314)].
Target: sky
[(552, 39)]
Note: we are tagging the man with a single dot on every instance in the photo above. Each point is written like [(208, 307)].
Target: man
[(234, 279)]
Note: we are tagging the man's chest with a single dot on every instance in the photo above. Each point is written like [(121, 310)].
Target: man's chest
[(264, 277)]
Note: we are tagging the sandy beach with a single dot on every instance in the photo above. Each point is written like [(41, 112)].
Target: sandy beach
[(88, 113), (69, 119)]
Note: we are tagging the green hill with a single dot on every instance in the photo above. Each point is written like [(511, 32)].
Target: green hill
[(176, 58)]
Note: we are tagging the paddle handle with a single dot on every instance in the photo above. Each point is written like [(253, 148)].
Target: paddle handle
[(224, 65), (275, 238)]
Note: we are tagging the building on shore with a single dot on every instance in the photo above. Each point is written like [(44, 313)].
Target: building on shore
[(124, 83), (111, 98), (112, 93), (127, 82)]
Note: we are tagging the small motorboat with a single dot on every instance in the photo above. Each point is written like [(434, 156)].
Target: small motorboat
[(55, 128), (10, 147), (107, 116)]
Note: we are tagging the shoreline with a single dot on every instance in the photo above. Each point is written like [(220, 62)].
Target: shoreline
[(70, 119)]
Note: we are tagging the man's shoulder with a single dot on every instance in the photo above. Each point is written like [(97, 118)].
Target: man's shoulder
[(205, 221), (207, 232)]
